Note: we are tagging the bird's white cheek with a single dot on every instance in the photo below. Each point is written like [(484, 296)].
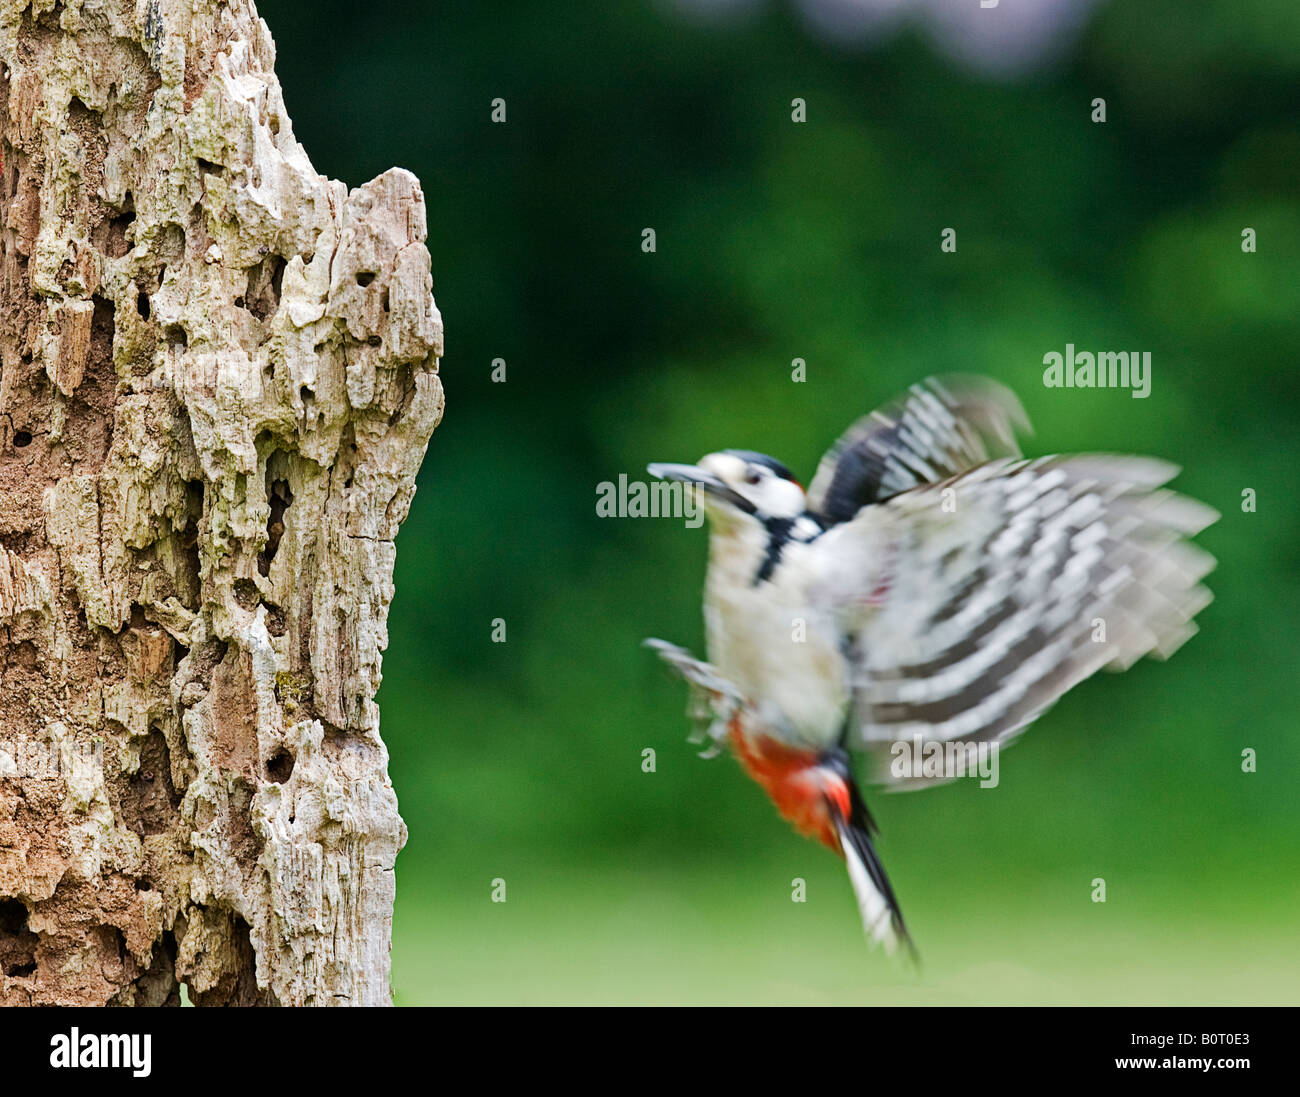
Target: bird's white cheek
[(784, 499)]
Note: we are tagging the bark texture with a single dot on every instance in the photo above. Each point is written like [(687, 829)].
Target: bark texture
[(218, 377)]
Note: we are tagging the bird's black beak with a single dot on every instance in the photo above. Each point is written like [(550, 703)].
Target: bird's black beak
[(693, 474)]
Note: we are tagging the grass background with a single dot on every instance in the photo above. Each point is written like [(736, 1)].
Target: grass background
[(821, 241)]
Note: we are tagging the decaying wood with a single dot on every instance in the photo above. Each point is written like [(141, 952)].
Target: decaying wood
[(218, 377)]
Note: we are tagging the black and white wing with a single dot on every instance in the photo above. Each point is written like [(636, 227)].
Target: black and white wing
[(938, 428), (978, 601)]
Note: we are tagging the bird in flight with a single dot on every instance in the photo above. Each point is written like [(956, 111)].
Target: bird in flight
[(932, 587)]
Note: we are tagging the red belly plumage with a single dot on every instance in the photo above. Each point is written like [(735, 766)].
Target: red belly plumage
[(795, 780)]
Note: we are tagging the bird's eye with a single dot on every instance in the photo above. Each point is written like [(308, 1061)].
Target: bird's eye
[(753, 476)]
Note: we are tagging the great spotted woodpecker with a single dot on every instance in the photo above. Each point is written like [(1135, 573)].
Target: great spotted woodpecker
[(931, 586)]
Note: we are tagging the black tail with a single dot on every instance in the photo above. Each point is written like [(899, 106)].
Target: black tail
[(882, 918)]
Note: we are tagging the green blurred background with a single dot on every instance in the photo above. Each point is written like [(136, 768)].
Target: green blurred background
[(820, 241)]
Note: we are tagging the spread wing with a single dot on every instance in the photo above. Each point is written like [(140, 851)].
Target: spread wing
[(978, 601), (937, 429)]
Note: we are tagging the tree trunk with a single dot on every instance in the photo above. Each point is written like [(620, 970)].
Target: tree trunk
[(218, 377)]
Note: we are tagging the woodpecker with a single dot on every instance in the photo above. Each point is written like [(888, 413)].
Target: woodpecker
[(932, 586)]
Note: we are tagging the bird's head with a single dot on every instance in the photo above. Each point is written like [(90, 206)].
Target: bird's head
[(736, 483)]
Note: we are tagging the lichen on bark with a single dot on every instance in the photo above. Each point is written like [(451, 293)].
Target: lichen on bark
[(218, 378)]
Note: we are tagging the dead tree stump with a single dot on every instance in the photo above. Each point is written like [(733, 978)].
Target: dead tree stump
[(218, 378)]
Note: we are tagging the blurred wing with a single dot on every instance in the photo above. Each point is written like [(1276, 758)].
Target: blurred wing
[(983, 599), (938, 428)]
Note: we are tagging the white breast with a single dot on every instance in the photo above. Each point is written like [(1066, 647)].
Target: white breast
[(768, 639)]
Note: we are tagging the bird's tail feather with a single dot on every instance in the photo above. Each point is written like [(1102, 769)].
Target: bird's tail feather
[(882, 920)]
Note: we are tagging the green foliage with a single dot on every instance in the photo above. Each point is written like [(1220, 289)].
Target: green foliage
[(819, 241)]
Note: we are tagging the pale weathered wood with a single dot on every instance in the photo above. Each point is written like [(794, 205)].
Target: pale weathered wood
[(218, 377)]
